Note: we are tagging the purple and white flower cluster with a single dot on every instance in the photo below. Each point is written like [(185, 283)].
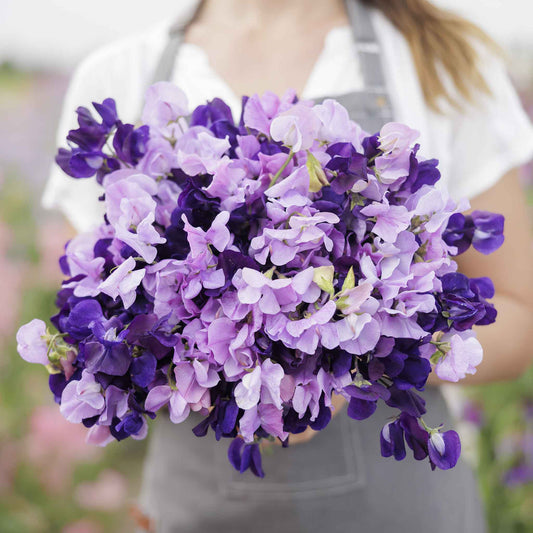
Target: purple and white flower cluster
[(250, 271)]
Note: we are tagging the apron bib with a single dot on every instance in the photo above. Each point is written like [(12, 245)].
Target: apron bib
[(338, 481)]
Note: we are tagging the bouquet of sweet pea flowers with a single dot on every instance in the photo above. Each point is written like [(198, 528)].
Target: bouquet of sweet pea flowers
[(249, 271)]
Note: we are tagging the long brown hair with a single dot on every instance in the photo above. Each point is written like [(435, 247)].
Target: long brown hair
[(440, 41)]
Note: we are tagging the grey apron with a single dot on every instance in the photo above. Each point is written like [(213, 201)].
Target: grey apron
[(338, 481)]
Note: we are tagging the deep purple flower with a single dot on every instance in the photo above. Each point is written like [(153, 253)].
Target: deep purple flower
[(108, 111), (363, 401), (83, 317), (459, 232), (109, 354), (78, 163), (488, 233), (349, 165), (444, 449), (415, 436), (407, 401), (243, 456), (421, 173), (91, 134), (129, 426), (142, 369), (463, 302), (130, 143), (392, 441)]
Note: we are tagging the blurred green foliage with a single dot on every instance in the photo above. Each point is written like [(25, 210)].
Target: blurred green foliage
[(27, 504), (505, 445)]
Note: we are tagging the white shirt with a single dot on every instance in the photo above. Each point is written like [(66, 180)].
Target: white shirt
[(475, 147)]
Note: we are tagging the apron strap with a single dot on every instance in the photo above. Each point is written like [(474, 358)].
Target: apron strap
[(165, 66), (366, 42), (371, 107)]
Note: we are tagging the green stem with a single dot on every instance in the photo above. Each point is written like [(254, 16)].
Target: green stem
[(283, 167)]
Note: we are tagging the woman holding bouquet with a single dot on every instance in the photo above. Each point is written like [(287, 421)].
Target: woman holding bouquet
[(384, 60)]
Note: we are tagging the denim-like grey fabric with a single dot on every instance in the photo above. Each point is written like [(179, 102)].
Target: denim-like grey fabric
[(337, 482)]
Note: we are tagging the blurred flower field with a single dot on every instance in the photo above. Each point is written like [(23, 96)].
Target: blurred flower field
[(50, 480)]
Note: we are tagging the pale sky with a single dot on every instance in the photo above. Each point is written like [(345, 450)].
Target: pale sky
[(57, 34)]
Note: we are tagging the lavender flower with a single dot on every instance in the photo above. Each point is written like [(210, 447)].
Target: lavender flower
[(32, 343)]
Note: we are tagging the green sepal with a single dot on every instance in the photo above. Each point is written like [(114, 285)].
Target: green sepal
[(349, 282), (317, 176), (323, 277)]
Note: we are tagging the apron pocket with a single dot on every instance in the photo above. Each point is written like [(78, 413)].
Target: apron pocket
[(330, 463)]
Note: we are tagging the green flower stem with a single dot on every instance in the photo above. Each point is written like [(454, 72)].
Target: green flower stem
[(283, 167)]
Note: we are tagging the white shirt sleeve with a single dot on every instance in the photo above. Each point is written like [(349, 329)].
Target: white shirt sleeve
[(489, 137), (121, 70), (77, 198)]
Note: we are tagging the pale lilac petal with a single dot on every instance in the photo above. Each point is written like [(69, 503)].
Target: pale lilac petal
[(248, 390), (249, 423), (178, 408), (271, 376), (99, 436), (31, 342), (157, 398)]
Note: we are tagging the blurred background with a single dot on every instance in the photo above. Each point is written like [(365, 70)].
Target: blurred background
[(50, 480)]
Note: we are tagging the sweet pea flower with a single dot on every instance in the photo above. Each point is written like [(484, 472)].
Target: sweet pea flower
[(199, 151), (230, 346), (229, 183), (129, 197), (296, 128), (123, 282), (166, 282), (303, 334), (243, 456), (444, 449), (81, 261), (462, 354), (108, 353), (391, 220), (130, 209), (488, 235), (304, 233), (116, 405), (395, 141), (267, 416), (336, 125), (274, 295), (191, 392), (82, 399), (32, 343), (259, 111), (164, 103), (263, 382), (392, 440), (99, 436), (159, 158), (357, 333), (217, 235)]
